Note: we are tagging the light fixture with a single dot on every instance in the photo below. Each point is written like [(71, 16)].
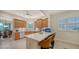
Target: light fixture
[(28, 15)]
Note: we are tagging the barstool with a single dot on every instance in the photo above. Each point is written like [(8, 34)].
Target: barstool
[(5, 34), (0, 34), (9, 34)]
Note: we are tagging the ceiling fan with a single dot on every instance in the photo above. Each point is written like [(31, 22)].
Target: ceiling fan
[(28, 14)]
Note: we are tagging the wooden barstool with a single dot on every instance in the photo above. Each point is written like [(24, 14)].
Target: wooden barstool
[(48, 42), (9, 34), (45, 44), (53, 41), (0, 34), (5, 34)]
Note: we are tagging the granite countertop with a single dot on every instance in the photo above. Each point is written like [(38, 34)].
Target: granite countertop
[(38, 36)]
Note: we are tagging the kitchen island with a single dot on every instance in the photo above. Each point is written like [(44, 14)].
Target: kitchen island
[(32, 40)]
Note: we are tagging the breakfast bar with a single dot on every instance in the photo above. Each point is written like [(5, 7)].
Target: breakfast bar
[(32, 40)]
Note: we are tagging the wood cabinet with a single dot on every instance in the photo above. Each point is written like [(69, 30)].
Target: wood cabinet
[(27, 33), (40, 23), (45, 22), (19, 23), (17, 35)]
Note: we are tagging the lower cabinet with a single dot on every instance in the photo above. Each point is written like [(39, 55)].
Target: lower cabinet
[(27, 33), (17, 35)]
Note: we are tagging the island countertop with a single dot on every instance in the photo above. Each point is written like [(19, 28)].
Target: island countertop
[(38, 36)]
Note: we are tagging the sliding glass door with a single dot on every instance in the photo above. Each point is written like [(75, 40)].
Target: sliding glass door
[(1, 26), (5, 25)]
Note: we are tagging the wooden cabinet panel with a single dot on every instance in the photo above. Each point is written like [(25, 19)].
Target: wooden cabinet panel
[(19, 23), (17, 35), (27, 33), (40, 23), (45, 23)]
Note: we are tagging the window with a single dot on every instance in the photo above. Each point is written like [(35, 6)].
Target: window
[(1, 26), (5, 27), (70, 23), (30, 25)]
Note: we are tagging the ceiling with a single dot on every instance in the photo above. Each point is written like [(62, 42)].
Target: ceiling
[(33, 13)]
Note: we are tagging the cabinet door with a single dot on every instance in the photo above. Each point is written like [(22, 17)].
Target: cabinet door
[(41, 23), (45, 23), (17, 36), (38, 23), (19, 23)]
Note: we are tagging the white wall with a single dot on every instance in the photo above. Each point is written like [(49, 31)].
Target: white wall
[(65, 39)]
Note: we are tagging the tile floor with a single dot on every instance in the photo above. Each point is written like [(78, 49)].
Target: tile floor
[(9, 43)]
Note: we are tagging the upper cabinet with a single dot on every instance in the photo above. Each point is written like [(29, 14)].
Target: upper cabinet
[(40, 23), (19, 23), (45, 22)]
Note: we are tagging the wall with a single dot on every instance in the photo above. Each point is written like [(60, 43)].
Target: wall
[(65, 39)]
